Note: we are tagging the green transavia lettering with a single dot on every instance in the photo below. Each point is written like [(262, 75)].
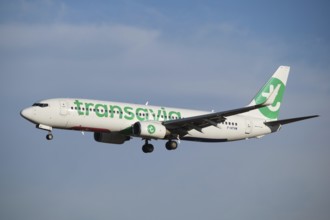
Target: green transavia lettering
[(126, 112)]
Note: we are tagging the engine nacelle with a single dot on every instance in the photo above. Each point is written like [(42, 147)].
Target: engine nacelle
[(149, 129), (110, 138)]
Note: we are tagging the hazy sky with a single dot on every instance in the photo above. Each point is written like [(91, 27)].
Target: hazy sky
[(191, 54)]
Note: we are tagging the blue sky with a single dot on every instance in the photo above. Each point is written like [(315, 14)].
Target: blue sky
[(190, 54)]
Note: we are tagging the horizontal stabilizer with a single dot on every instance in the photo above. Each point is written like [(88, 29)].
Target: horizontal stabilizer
[(290, 120)]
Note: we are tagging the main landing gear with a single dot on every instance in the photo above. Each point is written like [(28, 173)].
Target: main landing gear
[(148, 148), (171, 145)]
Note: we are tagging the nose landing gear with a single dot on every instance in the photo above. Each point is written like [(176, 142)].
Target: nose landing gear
[(49, 136)]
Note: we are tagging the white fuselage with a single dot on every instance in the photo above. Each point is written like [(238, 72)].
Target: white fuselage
[(103, 116), (116, 122)]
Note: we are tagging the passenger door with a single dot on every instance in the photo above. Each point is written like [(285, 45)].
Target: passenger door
[(64, 108), (248, 128)]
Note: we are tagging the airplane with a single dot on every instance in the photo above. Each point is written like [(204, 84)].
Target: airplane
[(116, 122)]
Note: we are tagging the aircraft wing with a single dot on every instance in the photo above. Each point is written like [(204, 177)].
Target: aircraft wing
[(201, 121), (183, 125)]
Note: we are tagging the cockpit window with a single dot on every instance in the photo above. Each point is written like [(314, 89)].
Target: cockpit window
[(42, 105)]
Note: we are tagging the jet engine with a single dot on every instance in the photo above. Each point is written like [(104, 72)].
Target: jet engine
[(149, 129)]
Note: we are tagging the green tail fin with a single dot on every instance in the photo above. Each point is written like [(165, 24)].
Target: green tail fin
[(271, 112)]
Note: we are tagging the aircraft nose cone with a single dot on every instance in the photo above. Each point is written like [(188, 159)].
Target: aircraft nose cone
[(26, 113)]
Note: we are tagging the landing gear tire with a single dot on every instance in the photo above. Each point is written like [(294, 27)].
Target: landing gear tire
[(49, 136), (171, 145), (147, 148)]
